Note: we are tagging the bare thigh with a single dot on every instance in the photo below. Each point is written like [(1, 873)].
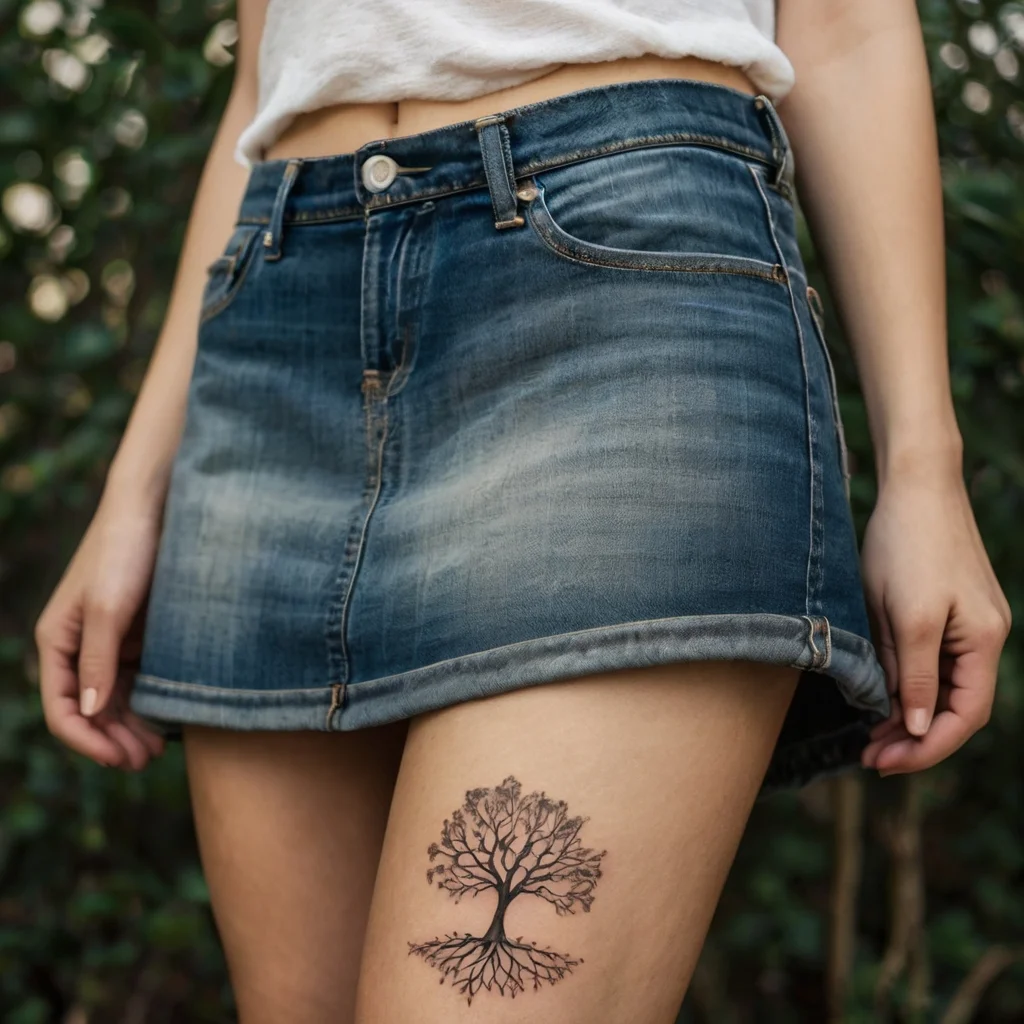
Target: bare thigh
[(556, 853), (290, 826)]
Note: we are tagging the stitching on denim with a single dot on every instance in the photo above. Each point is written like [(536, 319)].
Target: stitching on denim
[(336, 618), (856, 645), (407, 357), (243, 261), (334, 623), (336, 610), (568, 246), (641, 142), (819, 327), (781, 149), (375, 467), (231, 691), (496, 173), (274, 238), (645, 142), (816, 523), (337, 702), (506, 154)]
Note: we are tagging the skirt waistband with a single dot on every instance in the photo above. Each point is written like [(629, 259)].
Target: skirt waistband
[(498, 150)]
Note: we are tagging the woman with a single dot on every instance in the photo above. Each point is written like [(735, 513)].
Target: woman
[(508, 507)]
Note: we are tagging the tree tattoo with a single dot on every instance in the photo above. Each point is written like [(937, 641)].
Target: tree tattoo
[(512, 844)]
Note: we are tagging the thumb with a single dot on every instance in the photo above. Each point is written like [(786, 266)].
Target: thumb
[(98, 656)]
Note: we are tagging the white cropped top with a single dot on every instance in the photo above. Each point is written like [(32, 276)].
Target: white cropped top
[(317, 52)]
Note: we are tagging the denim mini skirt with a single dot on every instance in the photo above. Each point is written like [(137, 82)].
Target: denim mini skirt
[(523, 398)]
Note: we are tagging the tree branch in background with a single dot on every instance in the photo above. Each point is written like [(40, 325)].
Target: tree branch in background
[(965, 1000), (848, 803), (906, 951)]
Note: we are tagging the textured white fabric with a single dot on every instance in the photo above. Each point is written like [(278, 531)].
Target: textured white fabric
[(317, 52)]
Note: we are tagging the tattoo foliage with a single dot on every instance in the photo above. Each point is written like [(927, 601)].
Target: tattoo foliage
[(513, 845)]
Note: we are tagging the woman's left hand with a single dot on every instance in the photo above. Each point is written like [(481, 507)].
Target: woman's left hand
[(940, 620)]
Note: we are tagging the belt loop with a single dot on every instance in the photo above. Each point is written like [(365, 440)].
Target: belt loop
[(496, 151), (782, 151), (274, 235)]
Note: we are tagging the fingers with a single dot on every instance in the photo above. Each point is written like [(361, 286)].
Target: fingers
[(137, 739), (964, 705), (948, 732), (59, 685), (103, 627), (893, 724), (918, 638), (103, 630), (152, 740), (939, 621), (137, 752), (885, 646), (79, 651), (152, 743)]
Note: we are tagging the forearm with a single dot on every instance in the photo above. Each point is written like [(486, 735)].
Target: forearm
[(141, 467), (861, 123)]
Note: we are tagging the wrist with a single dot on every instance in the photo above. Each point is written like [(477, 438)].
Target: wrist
[(136, 490), (936, 460)]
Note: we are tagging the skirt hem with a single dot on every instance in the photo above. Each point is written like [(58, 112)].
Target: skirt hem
[(799, 641)]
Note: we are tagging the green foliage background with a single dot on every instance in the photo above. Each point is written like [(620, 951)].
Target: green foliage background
[(104, 914)]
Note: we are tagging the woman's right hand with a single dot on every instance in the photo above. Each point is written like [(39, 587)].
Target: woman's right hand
[(89, 638), (89, 634)]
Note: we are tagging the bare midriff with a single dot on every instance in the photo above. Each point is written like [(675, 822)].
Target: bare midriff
[(344, 127)]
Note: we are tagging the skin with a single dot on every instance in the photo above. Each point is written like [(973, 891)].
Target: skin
[(290, 828), (697, 734), (664, 761)]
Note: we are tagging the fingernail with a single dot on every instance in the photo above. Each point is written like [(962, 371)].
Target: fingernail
[(917, 721), (89, 696), (883, 774)]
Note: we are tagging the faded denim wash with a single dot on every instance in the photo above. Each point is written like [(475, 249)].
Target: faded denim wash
[(528, 397)]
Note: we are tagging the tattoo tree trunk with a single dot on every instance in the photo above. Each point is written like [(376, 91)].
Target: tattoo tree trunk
[(517, 846)]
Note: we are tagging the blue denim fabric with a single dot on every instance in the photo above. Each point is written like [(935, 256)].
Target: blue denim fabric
[(553, 400)]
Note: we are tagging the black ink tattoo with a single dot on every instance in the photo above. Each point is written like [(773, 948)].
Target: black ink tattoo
[(513, 844)]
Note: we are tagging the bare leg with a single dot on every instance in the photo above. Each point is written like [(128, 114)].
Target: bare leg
[(290, 827), (528, 912)]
